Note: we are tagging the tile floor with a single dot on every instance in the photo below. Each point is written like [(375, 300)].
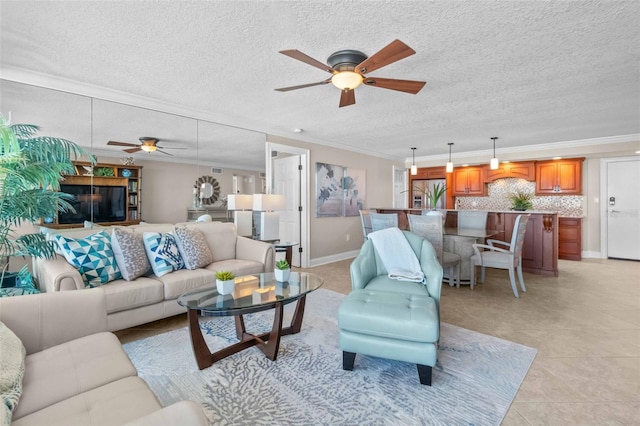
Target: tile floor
[(584, 323)]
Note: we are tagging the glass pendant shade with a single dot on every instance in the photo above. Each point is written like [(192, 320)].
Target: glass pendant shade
[(347, 80), (414, 169), (494, 164), (449, 168)]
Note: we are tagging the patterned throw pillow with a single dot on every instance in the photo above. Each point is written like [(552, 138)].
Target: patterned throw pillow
[(11, 372), (193, 248), (162, 252), (130, 254), (93, 256)]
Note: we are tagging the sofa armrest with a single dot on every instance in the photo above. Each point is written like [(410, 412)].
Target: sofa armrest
[(363, 268), (57, 274), (48, 319), (432, 271), (258, 251), (185, 413)]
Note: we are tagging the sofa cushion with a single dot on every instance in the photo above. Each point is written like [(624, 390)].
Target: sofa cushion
[(92, 255), (123, 295), (238, 267), (68, 369), (162, 252), (193, 247), (181, 281), (221, 237), (12, 355), (115, 403), (130, 254)]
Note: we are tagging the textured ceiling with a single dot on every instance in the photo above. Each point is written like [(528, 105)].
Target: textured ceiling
[(529, 72)]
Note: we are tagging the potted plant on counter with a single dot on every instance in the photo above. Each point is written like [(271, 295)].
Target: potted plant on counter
[(282, 270), (225, 282), (521, 201)]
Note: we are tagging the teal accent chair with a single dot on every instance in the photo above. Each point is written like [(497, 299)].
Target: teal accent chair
[(392, 319)]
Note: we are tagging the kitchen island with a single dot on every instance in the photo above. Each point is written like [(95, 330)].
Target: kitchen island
[(540, 249)]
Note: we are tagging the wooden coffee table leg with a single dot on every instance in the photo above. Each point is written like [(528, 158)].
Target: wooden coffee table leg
[(272, 344), (200, 348)]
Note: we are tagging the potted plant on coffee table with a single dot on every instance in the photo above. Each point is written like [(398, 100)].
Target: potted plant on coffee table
[(31, 168), (225, 282), (282, 270)]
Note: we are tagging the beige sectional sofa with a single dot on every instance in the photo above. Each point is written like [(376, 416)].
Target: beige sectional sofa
[(74, 372), (151, 297)]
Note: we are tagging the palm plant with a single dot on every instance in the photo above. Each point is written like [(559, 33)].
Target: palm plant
[(31, 168)]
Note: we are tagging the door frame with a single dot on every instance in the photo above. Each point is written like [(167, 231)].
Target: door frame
[(304, 191), (604, 183)]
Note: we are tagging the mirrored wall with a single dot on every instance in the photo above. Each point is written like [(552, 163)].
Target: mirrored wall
[(188, 149)]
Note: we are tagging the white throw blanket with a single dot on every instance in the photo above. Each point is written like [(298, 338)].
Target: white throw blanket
[(397, 255)]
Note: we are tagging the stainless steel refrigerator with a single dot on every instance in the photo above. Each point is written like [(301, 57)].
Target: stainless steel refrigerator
[(419, 200)]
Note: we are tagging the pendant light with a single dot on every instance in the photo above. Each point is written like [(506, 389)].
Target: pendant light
[(414, 169), (494, 164), (449, 163)]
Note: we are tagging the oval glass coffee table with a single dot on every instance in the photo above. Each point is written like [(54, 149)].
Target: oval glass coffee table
[(252, 293)]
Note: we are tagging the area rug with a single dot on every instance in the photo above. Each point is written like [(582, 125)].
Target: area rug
[(474, 382)]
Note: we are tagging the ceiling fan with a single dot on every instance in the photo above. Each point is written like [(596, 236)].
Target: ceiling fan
[(147, 144), (350, 66)]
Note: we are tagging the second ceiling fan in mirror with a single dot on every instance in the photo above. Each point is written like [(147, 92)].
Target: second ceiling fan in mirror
[(147, 144)]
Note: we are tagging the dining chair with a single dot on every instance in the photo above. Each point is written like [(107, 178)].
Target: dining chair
[(501, 258), (383, 220), (429, 227), (472, 219), (366, 222)]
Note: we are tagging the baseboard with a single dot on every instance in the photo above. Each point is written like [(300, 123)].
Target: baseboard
[(592, 255), (333, 258)]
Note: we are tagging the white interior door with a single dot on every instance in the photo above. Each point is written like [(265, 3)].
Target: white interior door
[(286, 181), (400, 194), (623, 209)]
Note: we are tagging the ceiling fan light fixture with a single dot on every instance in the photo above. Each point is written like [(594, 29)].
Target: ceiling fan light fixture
[(148, 148), (346, 80), (494, 164), (449, 168)]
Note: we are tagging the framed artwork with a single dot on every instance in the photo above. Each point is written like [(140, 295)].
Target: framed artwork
[(340, 191), (329, 197), (354, 191)]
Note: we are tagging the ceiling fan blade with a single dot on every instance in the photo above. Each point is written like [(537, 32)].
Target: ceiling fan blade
[(165, 153), (132, 150), (347, 97), (171, 147), (408, 86), (302, 86), (116, 143), (296, 54), (389, 54)]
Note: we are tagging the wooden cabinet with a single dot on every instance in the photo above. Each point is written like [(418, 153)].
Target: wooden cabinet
[(570, 238), (429, 173), (523, 170), (107, 175), (559, 177), (469, 181)]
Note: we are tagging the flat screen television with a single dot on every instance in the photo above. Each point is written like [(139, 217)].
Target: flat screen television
[(104, 204)]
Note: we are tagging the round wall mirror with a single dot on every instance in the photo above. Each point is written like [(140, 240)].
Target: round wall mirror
[(209, 188)]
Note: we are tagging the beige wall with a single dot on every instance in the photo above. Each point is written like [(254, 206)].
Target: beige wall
[(328, 235)]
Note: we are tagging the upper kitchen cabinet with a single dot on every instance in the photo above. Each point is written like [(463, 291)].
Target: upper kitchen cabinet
[(469, 181), (523, 170), (559, 177), (429, 173)]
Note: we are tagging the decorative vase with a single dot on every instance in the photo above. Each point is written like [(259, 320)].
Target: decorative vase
[(225, 287), (282, 275), (435, 212)]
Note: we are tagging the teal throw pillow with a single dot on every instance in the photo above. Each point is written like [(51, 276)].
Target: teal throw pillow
[(93, 256), (162, 252)]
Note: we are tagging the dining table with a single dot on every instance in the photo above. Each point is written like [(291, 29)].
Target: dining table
[(460, 241)]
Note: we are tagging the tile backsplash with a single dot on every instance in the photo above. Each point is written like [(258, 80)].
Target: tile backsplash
[(501, 189)]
